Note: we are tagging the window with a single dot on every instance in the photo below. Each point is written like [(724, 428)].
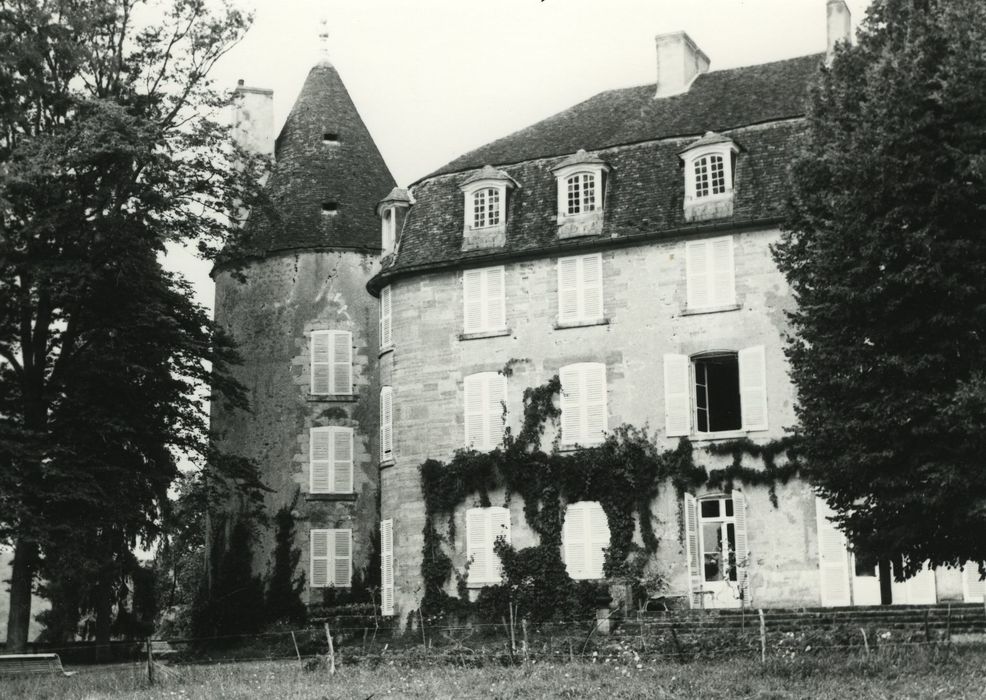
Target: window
[(708, 167), (485, 396), (483, 527), (581, 193), (330, 460), (833, 559), (331, 562), (485, 203), (392, 210), (585, 537), (484, 305), (388, 229), (330, 208), (386, 424), (583, 403), (486, 208), (387, 567), (716, 545), (715, 392), (973, 587), (386, 337), (581, 181), (710, 177), (331, 362), (709, 273), (580, 289)]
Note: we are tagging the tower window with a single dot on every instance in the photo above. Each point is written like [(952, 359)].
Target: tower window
[(329, 137), (330, 208)]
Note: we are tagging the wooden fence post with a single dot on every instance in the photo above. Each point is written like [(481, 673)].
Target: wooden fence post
[(763, 637), (150, 663), (866, 642), (332, 651), (296, 651)]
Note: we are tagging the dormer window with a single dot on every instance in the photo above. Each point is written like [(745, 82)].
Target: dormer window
[(709, 168), (392, 211), (581, 185), (485, 208)]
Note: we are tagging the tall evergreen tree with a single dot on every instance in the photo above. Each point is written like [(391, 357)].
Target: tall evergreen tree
[(109, 150), (885, 249)]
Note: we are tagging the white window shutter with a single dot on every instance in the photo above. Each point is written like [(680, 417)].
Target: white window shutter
[(753, 388), (496, 397), (342, 565), (386, 423), (973, 589), (571, 404), (722, 273), (495, 297), (387, 567), (341, 348), (386, 313), (833, 559), (594, 406), (320, 363), (677, 395), (342, 460), (478, 545), (499, 522), (568, 290), (692, 555), (319, 559), (574, 540), (697, 280), (472, 391), (472, 300), (320, 460), (597, 539), (742, 552), (921, 588), (592, 287)]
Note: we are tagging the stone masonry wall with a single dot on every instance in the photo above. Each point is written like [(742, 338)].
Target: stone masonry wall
[(271, 315)]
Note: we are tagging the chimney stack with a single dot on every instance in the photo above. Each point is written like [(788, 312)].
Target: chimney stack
[(253, 119), (839, 25), (679, 60)]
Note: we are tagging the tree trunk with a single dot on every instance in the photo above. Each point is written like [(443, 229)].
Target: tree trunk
[(21, 577), (886, 583), (104, 603)]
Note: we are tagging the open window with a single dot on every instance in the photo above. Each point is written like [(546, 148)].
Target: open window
[(717, 552)]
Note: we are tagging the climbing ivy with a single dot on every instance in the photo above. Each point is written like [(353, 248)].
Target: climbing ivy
[(624, 474)]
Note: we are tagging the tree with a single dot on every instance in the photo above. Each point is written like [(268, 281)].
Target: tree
[(109, 150), (885, 250)]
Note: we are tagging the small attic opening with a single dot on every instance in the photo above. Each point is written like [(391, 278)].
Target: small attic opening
[(330, 138), (330, 208)]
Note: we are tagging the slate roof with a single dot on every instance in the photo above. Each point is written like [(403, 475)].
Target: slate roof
[(309, 172), (639, 137)]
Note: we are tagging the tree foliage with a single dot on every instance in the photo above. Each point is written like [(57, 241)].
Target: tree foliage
[(110, 149), (885, 251)]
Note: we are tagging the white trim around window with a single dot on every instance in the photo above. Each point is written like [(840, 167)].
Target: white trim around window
[(330, 460), (331, 363), (580, 289), (331, 558), (484, 397)]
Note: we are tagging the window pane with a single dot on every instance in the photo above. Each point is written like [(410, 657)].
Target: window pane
[(717, 394), (731, 538), (701, 177), (718, 175), (729, 507), (574, 201), (479, 209), (712, 554), (710, 509)]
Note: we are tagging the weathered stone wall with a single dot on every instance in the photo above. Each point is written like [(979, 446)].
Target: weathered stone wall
[(271, 316), (644, 301)]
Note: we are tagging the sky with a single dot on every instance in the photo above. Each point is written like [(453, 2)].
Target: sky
[(433, 79)]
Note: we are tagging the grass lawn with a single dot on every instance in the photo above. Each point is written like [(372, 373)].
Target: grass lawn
[(910, 673)]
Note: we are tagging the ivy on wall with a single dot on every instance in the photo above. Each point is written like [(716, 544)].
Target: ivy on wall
[(624, 474)]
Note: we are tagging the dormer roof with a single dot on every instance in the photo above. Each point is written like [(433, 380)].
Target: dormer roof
[(710, 138), (580, 158), (488, 172)]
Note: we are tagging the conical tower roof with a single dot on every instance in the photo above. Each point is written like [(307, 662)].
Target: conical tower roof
[(328, 175)]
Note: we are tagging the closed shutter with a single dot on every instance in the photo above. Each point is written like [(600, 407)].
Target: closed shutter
[(574, 540), (710, 273), (580, 288), (495, 295), (692, 555), (342, 460), (722, 275), (387, 567), (568, 290), (973, 589), (483, 299), (697, 280), (921, 589), (386, 423), (499, 520), (742, 546), (583, 403), (319, 560), (753, 388), (321, 360), (592, 287), (677, 395), (478, 547), (472, 298), (342, 564), (341, 348), (386, 314), (484, 396), (833, 558), (597, 539), (320, 460)]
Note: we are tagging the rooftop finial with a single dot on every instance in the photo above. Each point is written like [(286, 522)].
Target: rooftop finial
[(323, 41)]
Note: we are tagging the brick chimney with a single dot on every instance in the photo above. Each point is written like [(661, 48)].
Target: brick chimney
[(679, 60), (838, 24), (253, 119)]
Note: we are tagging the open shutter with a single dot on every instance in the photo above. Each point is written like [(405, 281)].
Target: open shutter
[(386, 423), (921, 588), (495, 297), (478, 546), (568, 290), (594, 403), (597, 539), (472, 300), (692, 554), (387, 567), (753, 388), (833, 558), (342, 566), (499, 521), (472, 391), (973, 589), (592, 287), (319, 564), (496, 397), (386, 337), (742, 546), (342, 460), (320, 460), (320, 363), (677, 414), (574, 540), (571, 404), (341, 343), (697, 280), (723, 278)]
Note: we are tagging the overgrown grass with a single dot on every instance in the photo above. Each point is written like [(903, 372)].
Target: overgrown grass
[(888, 673)]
